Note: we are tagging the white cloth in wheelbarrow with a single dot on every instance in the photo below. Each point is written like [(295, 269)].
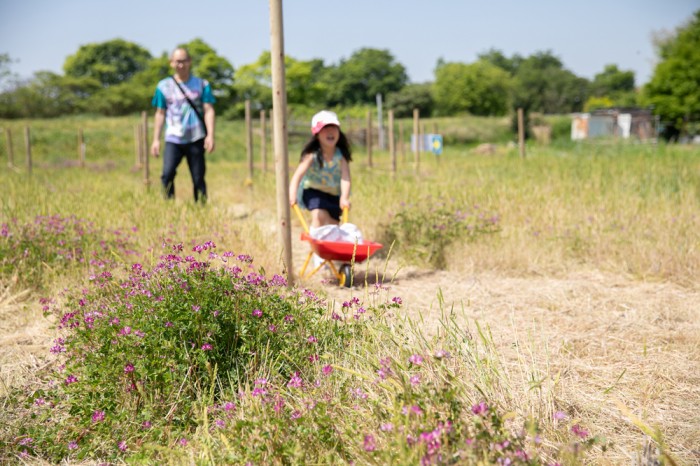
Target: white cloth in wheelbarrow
[(347, 232)]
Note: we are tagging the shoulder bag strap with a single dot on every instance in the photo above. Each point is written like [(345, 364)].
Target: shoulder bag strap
[(194, 107)]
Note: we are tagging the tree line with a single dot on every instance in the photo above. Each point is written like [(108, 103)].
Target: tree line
[(118, 77)]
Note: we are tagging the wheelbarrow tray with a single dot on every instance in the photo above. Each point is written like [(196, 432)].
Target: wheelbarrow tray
[(341, 250)]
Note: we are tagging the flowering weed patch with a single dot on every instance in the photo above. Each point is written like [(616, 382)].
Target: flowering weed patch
[(422, 232), (31, 253), (202, 356)]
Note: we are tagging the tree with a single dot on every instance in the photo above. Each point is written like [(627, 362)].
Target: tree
[(412, 96), (110, 62), (612, 88), (543, 85), (304, 83), (5, 71), (612, 81), (254, 82), (496, 57), (47, 95), (479, 88), (365, 74), (674, 89)]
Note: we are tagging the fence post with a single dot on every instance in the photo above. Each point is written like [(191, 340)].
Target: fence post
[(28, 145), (249, 142), (369, 138), (279, 139), (392, 145), (380, 121), (144, 145), (138, 147), (81, 148), (402, 145), (10, 153), (263, 140), (521, 133), (416, 136)]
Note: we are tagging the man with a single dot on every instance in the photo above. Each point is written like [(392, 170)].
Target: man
[(185, 104)]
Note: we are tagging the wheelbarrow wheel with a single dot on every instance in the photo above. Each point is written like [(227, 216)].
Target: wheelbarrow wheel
[(346, 275)]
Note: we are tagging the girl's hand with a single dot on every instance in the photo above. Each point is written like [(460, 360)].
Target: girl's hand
[(345, 203)]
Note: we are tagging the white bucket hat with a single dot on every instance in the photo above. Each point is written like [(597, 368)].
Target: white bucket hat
[(323, 118)]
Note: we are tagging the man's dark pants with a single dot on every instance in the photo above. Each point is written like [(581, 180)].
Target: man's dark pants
[(172, 156)]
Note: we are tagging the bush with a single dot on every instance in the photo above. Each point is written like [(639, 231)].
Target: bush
[(423, 231)]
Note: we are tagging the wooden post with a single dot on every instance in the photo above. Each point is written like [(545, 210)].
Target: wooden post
[(144, 142), (249, 143), (392, 146), (81, 148), (521, 133), (416, 136), (279, 126), (263, 141), (137, 147), (10, 152), (380, 120), (28, 145), (402, 143), (369, 138)]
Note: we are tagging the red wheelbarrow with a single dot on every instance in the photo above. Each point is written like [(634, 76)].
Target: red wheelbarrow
[(341, 251)]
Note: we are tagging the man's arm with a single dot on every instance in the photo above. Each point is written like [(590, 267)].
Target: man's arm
[(158, 121), (209, 119)]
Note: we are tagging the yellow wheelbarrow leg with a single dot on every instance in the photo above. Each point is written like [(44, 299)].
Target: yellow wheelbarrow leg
[(306, 263)]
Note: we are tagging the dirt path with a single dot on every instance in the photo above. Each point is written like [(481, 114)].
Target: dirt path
[(608, 340)]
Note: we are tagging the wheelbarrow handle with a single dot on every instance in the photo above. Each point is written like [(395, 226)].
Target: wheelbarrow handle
[(297, 209), (344, 218)]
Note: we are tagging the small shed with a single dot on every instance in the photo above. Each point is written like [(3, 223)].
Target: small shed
[(614, 122)]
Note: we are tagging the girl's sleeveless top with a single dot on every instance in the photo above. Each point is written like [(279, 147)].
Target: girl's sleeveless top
[(326, 178)]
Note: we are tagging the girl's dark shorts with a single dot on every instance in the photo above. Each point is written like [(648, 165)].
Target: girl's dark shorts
[(315, 199)]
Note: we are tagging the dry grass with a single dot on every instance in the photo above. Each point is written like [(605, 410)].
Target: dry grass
[(603, 324)]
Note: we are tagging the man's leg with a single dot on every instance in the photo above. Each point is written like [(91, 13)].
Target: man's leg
[(195, 160), (172, 156)]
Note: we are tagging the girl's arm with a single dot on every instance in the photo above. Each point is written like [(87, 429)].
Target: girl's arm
[(304, 165), (344, 184)]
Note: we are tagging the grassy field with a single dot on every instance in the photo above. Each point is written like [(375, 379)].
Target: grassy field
[(621, 210)]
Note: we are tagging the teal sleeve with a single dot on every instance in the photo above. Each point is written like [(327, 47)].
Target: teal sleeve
[(207, 96), (159, 100)]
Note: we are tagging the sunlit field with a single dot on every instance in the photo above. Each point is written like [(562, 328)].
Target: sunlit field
[(537, 310)]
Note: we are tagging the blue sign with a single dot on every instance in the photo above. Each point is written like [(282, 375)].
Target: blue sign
[(429, 142), (433, 142)]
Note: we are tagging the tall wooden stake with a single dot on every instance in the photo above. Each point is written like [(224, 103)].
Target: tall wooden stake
[(369, 138), (263, 141), (521, 133), (28, 145), (249, 142), (402, 145), (279, 125), (392, 145), (138, 143), (144, 142), (10, 152), (81, 148), (416, 135)]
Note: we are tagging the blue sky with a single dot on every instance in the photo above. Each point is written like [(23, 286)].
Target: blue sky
[(585, 35)]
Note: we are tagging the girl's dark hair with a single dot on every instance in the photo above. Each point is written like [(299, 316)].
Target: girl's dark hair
[(313, 146)]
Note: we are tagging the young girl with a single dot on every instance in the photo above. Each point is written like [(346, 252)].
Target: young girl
[(321, 182)]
